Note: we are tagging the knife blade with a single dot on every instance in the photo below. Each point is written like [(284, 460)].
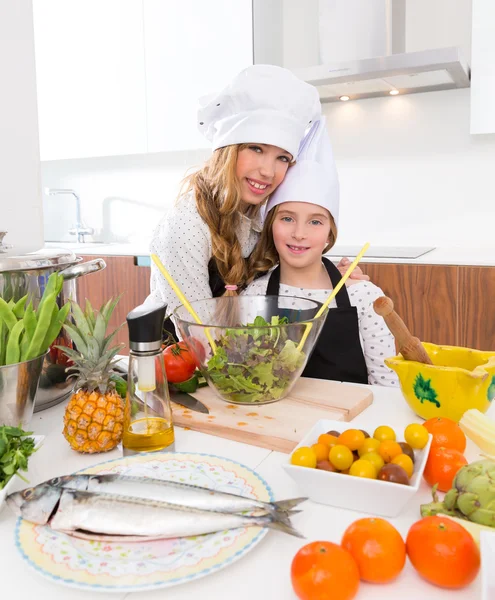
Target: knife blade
[(188, 401)]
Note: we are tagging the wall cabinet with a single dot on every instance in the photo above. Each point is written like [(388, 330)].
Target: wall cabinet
[(440, 304), (124, 76), (90, 77), (482, 70)]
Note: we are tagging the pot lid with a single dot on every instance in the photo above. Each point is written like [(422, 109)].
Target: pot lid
[(42, 259)]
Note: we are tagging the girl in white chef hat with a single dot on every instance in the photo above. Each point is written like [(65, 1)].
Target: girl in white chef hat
[(255, 125), (300, 226)]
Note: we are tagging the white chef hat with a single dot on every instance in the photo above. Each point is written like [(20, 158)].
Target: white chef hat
[(264, 104), (313, 178)]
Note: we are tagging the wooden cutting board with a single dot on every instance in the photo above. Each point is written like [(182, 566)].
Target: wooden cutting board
[(280, 425)]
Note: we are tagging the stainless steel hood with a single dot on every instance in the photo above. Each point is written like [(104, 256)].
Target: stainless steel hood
[(362, 52), (406, 73)]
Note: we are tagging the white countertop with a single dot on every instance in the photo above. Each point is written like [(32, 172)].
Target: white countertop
[(484, 257), (264, 573)]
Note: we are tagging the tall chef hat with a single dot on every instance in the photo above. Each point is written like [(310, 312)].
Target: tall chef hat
[(263, 104), (313, 178)]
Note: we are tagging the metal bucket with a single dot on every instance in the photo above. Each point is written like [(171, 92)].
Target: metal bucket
[(28, 274), (18, 387)]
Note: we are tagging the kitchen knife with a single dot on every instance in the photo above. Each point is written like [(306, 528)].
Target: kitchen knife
[(188, 401)]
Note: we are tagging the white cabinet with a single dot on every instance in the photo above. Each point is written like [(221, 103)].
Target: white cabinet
[(90, 77), (483, 67), (193, 48), (123, 76)]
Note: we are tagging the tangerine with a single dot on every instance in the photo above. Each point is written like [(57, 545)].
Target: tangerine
[(446, 433), (323, 570), (443, 552), (442, 466), (377, 547)]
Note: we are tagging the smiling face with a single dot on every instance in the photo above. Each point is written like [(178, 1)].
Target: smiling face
[(260, 169), (301, 232)]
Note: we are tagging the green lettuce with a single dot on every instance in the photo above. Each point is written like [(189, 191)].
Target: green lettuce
[(255, 364)]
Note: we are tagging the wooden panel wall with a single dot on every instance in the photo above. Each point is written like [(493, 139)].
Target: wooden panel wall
[(477, 307), (120, 276), (425, 296)]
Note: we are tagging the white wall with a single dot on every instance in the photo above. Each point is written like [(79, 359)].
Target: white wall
[(411, 173), (20, 196)]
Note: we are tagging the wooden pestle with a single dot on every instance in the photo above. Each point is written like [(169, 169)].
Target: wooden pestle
[(409, 346)]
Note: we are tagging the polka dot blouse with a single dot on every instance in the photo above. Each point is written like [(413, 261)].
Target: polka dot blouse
[(376, 340), (182, 241)]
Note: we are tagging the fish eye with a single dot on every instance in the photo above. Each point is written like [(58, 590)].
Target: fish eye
[(55, 481), (26, 494)]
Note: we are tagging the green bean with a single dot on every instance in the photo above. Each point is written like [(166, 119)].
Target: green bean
[(53, 286), (12, 355), (20, 307), (58, 320), (44, 318), (7, 315), (3, 341), (30, 322)]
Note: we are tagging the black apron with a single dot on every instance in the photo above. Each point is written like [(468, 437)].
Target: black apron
[(337, 354), (217, 287)]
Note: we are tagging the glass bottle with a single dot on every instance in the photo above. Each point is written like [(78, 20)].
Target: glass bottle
[(148, 425)]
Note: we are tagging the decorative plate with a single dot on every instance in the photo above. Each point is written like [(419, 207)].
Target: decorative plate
[(136, 566), (16, 483)]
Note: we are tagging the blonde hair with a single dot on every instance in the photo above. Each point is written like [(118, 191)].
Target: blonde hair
[(265, 255), (218, 200)]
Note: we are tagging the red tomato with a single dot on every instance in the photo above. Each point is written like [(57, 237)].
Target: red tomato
[(180, 363), (197, 350)]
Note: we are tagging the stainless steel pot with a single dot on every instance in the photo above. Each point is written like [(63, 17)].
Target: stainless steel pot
[(28, 274), (18, 385)]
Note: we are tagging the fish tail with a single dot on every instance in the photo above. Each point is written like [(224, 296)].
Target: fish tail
[(286, 527), (287, 505)]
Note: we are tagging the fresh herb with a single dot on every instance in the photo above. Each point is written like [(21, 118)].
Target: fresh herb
[(15, 449), (255, 364)]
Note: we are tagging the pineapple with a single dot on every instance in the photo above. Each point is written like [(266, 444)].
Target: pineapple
[(93, 419)]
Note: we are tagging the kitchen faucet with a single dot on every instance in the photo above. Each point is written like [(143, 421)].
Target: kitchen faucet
[(80, 229)]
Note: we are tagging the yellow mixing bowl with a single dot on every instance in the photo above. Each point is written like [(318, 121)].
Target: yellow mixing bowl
[(459, 379)]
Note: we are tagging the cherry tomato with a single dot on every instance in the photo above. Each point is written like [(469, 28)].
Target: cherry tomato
[(180, 363), (352, 438), (416, 435), (363, 468), (384, 432), (341, 457), (304, 457)]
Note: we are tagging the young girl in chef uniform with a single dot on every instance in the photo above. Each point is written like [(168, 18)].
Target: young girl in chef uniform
[(256, 126), (300, 226)]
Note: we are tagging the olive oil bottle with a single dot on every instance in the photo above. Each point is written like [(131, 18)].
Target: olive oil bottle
[(148, 425)]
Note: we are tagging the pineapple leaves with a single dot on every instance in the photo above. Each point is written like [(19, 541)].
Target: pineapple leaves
[(90, 315), (99, 331), (109, 307), (76, 338)]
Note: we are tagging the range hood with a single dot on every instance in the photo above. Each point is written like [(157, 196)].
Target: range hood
[(407, 73), (369, 39)]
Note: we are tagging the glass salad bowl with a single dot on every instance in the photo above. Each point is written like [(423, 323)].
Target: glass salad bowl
[(251, 349)]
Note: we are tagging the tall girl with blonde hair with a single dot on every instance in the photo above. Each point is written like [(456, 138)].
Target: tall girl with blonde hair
[(256, 126)]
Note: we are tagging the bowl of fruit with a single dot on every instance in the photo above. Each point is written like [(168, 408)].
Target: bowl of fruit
[(376, 471), (251, 349)]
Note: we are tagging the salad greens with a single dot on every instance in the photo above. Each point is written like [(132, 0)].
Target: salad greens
[(255, 364), (15, 449)]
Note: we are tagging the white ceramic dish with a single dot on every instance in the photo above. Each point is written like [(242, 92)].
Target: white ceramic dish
[(16, 483), (355, 493), (487, 545)]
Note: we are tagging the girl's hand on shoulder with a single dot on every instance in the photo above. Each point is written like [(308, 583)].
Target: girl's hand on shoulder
[(357, 274)]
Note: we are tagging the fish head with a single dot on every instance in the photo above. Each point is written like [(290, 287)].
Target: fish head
[(35, 504)]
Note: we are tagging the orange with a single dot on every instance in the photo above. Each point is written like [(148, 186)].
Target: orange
[(321, 451), (389, 449), (328, 439), (446, 433), (352, 438), (323, 570), (377, 547), (442, 466), (443, 552)]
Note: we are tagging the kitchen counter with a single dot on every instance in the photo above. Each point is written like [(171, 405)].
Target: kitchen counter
[(484, 257), (264, 573)]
